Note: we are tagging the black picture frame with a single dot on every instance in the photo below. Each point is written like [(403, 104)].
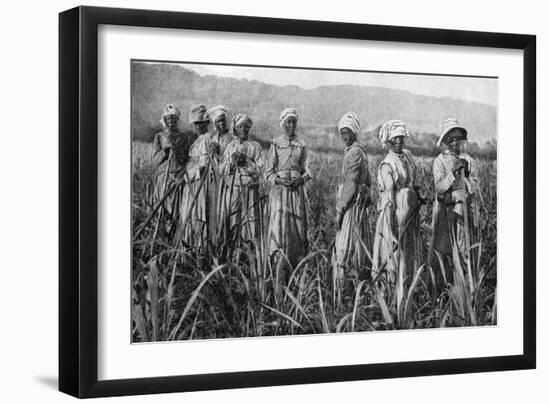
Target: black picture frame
[(78, 201)]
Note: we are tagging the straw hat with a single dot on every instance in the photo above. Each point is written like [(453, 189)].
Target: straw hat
[(448, 124), (197, 113)]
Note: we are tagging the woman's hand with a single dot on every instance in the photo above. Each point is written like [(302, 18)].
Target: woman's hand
[(239, 159), (252, 172), (364, 199), (459, 165), (283, 181), (421, 200), (215, 148), (338, 220), (296, 183), (202, 170), (466, 167)]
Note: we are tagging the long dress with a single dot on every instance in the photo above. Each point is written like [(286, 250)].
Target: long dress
[(397, 240), (287, 230), (217, 181), (454, 196), (223, 140), (239, 209), (170, 156), (195, 205), (353, 240)]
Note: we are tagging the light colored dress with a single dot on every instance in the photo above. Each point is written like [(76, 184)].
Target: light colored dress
[(353, 240), (397, 240), (453, 195), (195, 205), (216, 181), (170, 156), (287, 230), (222, 140), (239, 209)]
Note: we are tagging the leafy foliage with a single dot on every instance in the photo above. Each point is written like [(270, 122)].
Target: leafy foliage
[(178, 296)]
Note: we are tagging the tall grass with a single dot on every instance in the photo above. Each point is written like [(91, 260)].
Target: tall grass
[(176, 296)]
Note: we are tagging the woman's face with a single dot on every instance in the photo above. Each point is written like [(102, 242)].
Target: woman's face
[(347, 136), (171, 121), (201, 127), (454, 139), (396, 144), (454, 145), (290, 126), (243, 129), (221, 124)]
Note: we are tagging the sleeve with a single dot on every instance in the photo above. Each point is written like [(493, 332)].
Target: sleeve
[(388, 185), (304, 163), (204, 151), (225, 162), (271, 164), (352, 176), (442, 181), (415, 181), (368, 178), (159, 154), (257, 161), (215, 139)]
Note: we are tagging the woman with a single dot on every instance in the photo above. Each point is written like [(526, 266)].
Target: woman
[(219, 140), (221, 136), (353, 236), (170, 155), (241, 167), (287, 171), (397, 240), (455, 180), (196, 204)]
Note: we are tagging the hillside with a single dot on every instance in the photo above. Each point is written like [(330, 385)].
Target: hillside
[(154, 85)]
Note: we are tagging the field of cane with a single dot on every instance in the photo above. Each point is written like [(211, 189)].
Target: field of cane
[(177, 296)]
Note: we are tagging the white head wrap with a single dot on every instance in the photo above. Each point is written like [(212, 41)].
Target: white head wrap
[(392, 128), (349, 120), (287, 113), (239, 119), (215, 112), (169, 109)]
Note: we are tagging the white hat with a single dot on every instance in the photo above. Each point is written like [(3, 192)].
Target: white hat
[(448, 124)]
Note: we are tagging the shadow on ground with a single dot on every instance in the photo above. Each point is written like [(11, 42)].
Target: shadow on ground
[(48, 381)]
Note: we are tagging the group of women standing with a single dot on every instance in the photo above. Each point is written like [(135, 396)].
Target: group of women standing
[(215, 180)]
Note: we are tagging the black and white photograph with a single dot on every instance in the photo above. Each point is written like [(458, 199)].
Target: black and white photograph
[(277, 201)]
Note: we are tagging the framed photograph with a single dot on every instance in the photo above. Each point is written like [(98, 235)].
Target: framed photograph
[(252, 202)]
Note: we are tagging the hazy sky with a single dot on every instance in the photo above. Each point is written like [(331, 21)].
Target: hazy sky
[(467, 88)]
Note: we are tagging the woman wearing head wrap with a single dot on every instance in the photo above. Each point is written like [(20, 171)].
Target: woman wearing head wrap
[(197, 205), (353, 239), (241, 168), (170, 154), (287, 171), (455, 180), (219, 139), (221, 136), (397, 242)]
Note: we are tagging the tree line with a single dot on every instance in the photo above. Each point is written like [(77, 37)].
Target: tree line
[(324, 139)]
